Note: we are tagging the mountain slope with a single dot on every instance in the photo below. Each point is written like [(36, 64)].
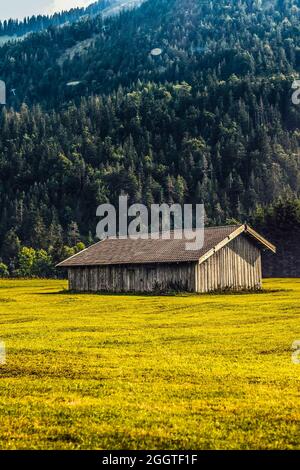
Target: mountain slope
[(197, 41), (15, 29), (209, 119)]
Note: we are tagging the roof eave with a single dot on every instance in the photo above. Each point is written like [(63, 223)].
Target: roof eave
[(64, 264), (242, 229), (260, 239)]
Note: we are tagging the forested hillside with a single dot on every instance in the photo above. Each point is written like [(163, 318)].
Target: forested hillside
[(93, 113), (12, 28), (203, 44)]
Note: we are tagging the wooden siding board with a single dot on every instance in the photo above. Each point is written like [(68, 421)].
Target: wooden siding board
[(133, 278), (235, 266)]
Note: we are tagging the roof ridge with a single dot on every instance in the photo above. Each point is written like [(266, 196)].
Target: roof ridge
[(138, 235)]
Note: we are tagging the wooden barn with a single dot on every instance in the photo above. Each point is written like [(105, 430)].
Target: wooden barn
[(229, 259)]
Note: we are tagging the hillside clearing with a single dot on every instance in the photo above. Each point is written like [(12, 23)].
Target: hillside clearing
[(143, 372)]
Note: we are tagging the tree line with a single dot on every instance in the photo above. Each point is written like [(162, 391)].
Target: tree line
[(210, 120), (36, 23)]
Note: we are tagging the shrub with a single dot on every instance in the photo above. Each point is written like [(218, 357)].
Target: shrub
[(35, 263), (3, 270)]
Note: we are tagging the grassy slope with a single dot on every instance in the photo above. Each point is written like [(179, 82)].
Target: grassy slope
[(89, 371)]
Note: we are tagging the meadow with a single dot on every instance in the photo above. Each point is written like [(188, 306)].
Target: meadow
[(148, 372)]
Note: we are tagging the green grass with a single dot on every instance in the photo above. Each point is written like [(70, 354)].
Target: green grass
[(136, 372)]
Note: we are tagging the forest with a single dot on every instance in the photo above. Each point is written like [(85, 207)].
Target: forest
[(17, 28), (94, 113)]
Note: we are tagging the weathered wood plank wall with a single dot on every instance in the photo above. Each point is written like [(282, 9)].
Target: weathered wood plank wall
[(236, 266), (133, 278)]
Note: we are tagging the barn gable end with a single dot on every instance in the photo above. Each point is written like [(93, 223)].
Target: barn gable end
[(235, 266)]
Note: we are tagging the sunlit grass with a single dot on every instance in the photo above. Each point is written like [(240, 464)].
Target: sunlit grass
[(136, 372)]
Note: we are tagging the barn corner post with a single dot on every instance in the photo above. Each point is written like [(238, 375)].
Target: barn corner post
[(196, 279), (70, 279), (260, 274)]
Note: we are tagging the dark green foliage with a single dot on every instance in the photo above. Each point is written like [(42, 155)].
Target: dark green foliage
[(209, 120), (203, 44), (280, 223), (4, 272), (32, 24)]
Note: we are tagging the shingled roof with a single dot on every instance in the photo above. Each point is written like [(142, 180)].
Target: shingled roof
[(118, 251)]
